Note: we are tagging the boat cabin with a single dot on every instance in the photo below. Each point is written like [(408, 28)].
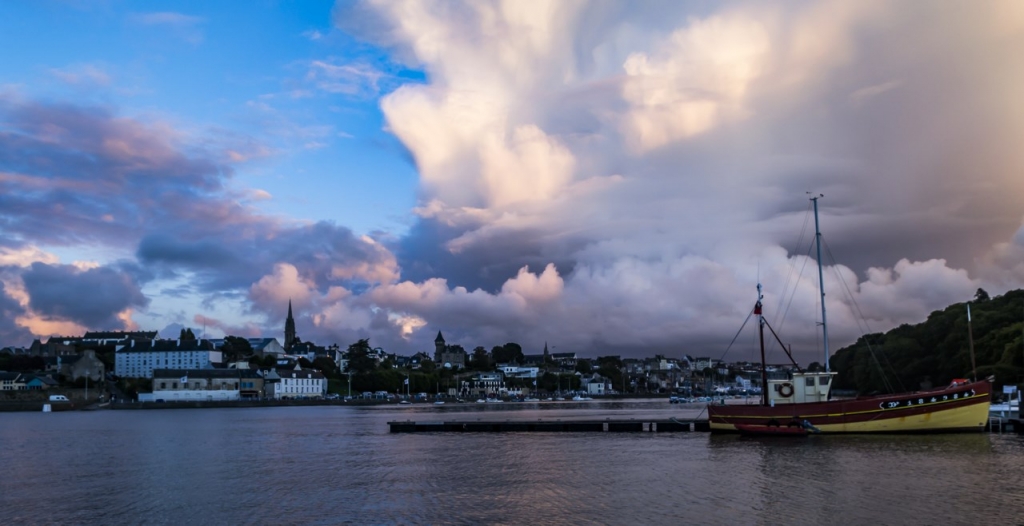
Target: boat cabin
[(801, 388)]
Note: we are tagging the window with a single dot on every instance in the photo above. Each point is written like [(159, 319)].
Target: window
[(163, 385), (175, 385), (810, 381), (824, 380)]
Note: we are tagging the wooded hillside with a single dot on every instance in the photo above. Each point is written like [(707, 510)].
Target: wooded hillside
[(932, 353)]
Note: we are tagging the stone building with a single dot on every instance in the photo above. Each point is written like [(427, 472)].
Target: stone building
[(453, 356)]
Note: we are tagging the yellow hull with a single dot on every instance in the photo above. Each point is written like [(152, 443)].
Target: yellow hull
[(963, 418)]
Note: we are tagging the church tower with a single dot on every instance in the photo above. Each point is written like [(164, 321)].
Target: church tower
[(289, 329), (439, 347)]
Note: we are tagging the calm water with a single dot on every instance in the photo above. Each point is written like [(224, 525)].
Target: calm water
[(329, 465)]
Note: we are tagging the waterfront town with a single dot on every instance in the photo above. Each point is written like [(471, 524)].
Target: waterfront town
[(140, 367)]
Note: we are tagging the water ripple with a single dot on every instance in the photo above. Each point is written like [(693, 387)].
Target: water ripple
[(339, 465)]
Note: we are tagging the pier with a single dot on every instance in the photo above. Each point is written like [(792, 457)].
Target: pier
[(551, 426)]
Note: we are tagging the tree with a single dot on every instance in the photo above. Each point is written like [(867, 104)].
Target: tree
[(235, 348), (584, 367), (186, 335), (509, 353), (428, 366), (480, 361), (981, 296), (359, 360), (326, 365)]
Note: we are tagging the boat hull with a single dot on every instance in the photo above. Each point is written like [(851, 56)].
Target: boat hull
[(959, 408), (774, 431)]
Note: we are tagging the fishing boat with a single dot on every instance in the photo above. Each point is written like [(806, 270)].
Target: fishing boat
[(805, 399)]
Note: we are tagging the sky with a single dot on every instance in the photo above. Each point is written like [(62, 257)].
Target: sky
[(602, 177)]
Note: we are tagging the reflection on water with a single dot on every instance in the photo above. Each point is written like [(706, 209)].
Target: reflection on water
[(339, 464)]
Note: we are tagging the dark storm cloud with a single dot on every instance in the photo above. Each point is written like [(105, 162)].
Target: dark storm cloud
[(424, 253), (222, 258), (11, 334), (91, 297)]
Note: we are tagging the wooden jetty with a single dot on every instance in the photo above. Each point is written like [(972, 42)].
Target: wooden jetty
[(551, 426)]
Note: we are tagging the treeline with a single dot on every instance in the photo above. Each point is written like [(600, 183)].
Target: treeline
[(936, 351)]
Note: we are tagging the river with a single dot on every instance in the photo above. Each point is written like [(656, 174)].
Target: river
[(338, 464)]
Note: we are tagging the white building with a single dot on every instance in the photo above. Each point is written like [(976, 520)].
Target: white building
[(138, 359), (596, 385), (204, 385), (517, 371), (295, 383)]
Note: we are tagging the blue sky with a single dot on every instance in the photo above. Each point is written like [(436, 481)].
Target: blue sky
[(215, 69), (607, 177)]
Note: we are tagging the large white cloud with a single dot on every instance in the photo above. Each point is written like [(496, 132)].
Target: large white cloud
[(658, 154)]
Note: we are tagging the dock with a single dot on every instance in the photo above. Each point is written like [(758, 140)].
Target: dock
[(552, 426), (994, 425)]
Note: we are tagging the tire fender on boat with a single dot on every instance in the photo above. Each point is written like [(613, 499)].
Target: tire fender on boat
[(786, 390)]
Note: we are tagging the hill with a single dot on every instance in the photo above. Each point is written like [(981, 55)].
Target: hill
[(938, 350)]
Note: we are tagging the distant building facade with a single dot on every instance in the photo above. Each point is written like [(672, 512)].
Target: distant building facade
[(205, 384), (85, 365), (295, 383), (453, 356), (138, 359)]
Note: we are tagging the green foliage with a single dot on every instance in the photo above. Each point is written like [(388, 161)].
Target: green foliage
[(236, 348), (508, 353), (584, 367), (938, 350), (326, 366), (186, 335), (359, 360), (479, 360)]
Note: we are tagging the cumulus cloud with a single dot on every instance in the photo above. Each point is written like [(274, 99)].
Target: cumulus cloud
[(657, 155)]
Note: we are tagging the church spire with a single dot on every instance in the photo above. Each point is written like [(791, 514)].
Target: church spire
[(289, 328)]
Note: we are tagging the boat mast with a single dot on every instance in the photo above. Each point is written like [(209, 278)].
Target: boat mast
[(970, 339), (760, 333), (821, 280)]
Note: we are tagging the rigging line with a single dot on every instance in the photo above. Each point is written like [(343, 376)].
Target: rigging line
[(792, 266), (789, 275), (793, 296), (751, 313), (862, 324)]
